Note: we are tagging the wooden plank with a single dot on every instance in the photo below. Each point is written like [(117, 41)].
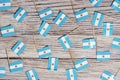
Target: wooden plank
[(25, 33)]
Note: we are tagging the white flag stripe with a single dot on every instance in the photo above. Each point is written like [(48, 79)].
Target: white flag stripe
[(65, 42), (71, 74), (16, 66), (106, 76), (103, 56), (18, 16), (108, 31), (61, 17), (94, 2), (19, 47), (83, 14), (81, 64), (45, 26), (5, 4), (116, 4), (98, 17), (2, 71), (45, 52), (46, 13), (92, 44), (116, 43), (32, 75), (87, 43), (53, 62), (6, 31)]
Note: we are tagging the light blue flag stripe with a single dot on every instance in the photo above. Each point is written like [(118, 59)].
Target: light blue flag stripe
[(5, 5), (89, 43), (16, 66), (53, 64), (7, 31), (81, 15), (116, 5), (116, 43), (71, 74), (81, 64), (60, 19), (65, 42), (46, 13), (96, 3), (106, 75), (20, 14), (19, 47), (97, 19), (44, 29), (2, 71), (103, 55), (32, 75), (107, 29), (44, 52)]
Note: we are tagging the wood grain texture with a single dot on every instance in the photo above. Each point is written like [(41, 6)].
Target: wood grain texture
[(25, 34)]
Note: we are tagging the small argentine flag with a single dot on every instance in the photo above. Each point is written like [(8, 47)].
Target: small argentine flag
[(81, 15), (89, 43), (19, 47), (106, 75), (103, 55), (5, 5), (44, 29), (65, 42), (2, 72), (60, 19), (44, 52), (107, 29), (53, 64), (32, 75), (7, 31), (116, 43), (97, 19), (81, 64), (45, 14), (71, 74), (16, 66), (20, 14), (116, 5), (96, 3)]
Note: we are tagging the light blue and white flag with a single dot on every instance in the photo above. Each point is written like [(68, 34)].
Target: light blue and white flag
[(60, 19), (19, 47), (5, 5), (71, 74), (53, 64), (89, 43), (103, 55), (45, 14), (16, 66), (2, 72), (106, 75), (32, 75), (44, 29), (65, 42), (81, 64), (116, 43), (116, 5), (7, 31), (81, 15), (107, 29), (20, 14), (44, 52), (97, 19), (96, 3)]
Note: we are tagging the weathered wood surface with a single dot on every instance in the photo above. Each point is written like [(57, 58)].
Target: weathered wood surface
[(30, 55)]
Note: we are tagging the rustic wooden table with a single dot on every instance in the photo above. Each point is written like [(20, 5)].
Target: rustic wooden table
[(24, 33)]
